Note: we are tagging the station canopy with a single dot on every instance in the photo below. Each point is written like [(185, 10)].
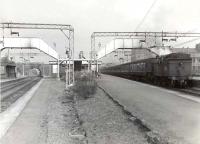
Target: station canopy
[(27, 43), (129, 44)]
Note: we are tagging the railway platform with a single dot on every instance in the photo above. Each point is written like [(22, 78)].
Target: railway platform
[(172, 115), (41, 121)]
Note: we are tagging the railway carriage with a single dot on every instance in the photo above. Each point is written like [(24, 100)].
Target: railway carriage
[(173, 69)]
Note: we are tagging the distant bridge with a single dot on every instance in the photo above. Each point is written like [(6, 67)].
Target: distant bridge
[(29, 43)]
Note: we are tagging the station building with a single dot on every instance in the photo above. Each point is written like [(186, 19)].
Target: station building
[(31, 55), (8, 68), (138, 54)]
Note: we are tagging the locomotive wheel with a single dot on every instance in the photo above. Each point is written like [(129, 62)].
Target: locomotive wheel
[(172, 84)]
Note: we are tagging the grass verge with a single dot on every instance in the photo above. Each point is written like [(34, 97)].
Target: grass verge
[(85, 84)]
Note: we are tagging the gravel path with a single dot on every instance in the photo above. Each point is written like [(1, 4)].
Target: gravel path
[(106, 123), (60, 120)]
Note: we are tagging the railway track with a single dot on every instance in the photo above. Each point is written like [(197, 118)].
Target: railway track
[(8, 86), (12, 90)]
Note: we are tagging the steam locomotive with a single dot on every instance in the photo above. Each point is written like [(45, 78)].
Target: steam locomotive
[(172, 70)]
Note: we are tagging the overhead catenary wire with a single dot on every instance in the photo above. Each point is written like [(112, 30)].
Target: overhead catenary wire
[(189, 41), (145, 16)]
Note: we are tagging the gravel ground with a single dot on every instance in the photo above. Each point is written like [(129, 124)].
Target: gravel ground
[(106, 123), (60, 121)]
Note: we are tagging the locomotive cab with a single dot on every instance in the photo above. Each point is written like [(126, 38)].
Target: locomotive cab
[(174, 68), (179, 66)]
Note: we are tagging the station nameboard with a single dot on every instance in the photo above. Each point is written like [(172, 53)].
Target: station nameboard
[(53, 62)]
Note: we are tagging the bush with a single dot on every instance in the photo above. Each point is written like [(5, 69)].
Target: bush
[(85, 84)]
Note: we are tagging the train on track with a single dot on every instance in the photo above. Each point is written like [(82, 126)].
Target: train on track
[(173, 70)]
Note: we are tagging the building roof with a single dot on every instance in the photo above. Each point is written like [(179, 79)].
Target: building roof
[(118, 44), (34, 43), (185, 50)]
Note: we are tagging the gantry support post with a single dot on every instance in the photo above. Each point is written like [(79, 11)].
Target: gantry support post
[(58, 70)]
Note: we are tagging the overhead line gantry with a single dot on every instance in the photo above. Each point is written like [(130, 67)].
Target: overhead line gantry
[(142, 35), (66, 29)]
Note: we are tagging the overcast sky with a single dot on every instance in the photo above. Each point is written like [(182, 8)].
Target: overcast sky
[(87, 16)]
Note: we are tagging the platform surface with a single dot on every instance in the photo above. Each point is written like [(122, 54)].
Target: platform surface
[(169, 113), (31, 126)]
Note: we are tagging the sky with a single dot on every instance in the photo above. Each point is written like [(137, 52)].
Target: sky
[(87, 16)]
